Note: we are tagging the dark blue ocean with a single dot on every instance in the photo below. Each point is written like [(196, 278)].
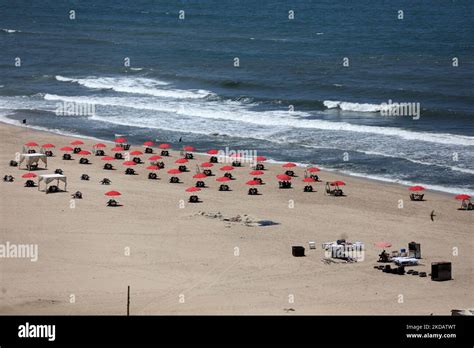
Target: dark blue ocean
[(182, 80)]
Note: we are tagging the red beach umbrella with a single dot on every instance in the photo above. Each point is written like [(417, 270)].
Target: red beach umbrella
[(260, 158), (174, 171), (48, 146), (29, 175), (189, 148), (107, 158), (84, 152), (193, 189), (129, 163), (66, 148), (113, 193), (117, 148), (207, 165), (164, 146), (289, 165), (227, 168), (120, 140), (338, 183), (153, 168), (136, 153), (383, 245), (181, 160), (31, 144), (462, 197), (154, 158), (199, 176), (416, 188), (252, 182), (257, 172), (223, 179), (313, 170), (100, 145), (308, 180), (212, 152), (283, 177), (77, 142), (148, 143)]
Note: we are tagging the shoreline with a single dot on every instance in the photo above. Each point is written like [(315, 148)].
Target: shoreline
[(357, 176)]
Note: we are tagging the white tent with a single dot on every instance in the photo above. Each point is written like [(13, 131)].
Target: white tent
[(33, 158), (48, 178)]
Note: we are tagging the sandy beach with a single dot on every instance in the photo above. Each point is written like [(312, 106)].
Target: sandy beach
[(189, 260)]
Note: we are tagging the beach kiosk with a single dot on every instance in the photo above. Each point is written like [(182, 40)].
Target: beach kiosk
[(48, 178), (32, 159)]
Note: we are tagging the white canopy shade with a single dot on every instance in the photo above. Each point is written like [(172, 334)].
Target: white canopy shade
[(48, 178), (33, 158)]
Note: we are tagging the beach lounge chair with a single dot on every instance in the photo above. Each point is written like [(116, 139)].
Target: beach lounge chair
[(52, 189), (49, 153), (148, 150), (224, 188), (112, 203), (77, 195), (165, 153), (213, 159), (200, 184), (416, 196), (174, 180), (336, 191), (32, 166), (84, 160), (8, 178), (59, 171), (99, 153), (236, 164), (130, 171), (259, 166), (160, 165), (182, 169), (284, 184), (137, 160), (30, 183), (67, 157), (118, 156), (108, 166), (189, 156), (308, 188), (193, 199), (253, 191), (31, 151), (290, 173), (228, 175), (314, 176), (105, 181), (85, 177), (152, 176), (208, 172), (259, 180), (76, 150), (13, 163)]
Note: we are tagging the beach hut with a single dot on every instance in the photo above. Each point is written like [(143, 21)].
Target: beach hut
[(48, 178), (32, 160)]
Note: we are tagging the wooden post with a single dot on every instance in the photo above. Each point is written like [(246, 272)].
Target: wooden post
[(128, 301)]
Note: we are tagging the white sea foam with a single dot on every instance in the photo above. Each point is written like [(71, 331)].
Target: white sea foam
[(10, 31), (137, 85), (347, 106)]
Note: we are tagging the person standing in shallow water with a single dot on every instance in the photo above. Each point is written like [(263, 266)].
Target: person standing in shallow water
[(180, 139)]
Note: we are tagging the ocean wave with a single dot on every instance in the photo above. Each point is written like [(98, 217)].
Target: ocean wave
[(347, 106), (237, 111), (10, 31), (137, 85)]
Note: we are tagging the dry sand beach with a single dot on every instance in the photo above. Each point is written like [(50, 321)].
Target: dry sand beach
[(183, 262)]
